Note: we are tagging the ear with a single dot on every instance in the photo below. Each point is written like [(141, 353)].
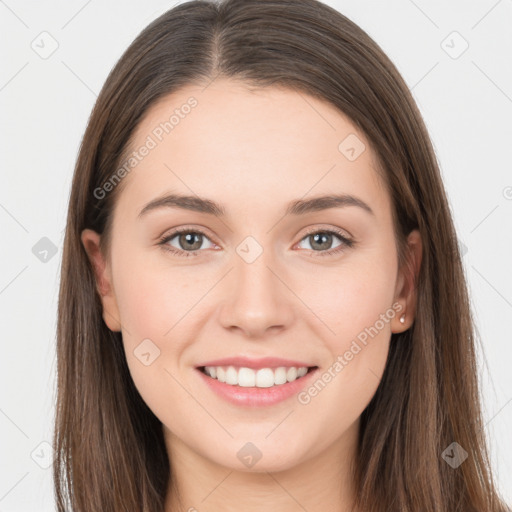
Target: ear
[(102, 272), (406, 292)]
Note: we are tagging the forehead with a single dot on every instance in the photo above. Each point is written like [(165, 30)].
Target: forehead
[(246, 146)]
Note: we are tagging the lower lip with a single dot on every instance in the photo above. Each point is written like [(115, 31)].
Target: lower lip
[(257, 397)]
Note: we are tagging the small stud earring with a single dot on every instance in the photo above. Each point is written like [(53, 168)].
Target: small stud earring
[(402, 319)]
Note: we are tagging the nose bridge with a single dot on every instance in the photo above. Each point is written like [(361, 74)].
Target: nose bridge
[(256, 298)]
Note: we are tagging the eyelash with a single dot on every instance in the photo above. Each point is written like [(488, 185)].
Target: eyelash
[(346, 242)]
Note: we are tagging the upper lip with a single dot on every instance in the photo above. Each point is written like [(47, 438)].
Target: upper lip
[(255, 363)]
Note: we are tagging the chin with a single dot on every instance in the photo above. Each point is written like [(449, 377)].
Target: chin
[(261, 456)]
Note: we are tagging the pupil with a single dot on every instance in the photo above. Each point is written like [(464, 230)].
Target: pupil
[(321, 236), (189, 239)]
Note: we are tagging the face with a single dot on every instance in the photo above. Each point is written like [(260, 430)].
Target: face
[(315, 286)]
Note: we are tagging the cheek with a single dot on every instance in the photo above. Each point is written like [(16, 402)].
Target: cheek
[(351, 297), (151, 354), (357, 305), (154, 300), (156, 306)]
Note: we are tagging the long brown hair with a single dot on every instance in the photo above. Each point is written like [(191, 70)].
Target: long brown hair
[(110, 448)]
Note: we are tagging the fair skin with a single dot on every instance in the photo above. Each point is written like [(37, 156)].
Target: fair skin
[(253, 152)]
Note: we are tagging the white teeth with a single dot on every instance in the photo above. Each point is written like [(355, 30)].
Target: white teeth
[(231, 376), (249, 378), (291, 374), (280, 375), (246, 377), (265, 378)]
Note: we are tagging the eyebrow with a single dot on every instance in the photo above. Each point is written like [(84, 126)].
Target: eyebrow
[(296, 207)]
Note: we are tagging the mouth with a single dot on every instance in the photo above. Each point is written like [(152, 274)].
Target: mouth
[(244, 377)]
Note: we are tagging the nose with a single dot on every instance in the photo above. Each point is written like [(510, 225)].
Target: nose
[(257, 299)]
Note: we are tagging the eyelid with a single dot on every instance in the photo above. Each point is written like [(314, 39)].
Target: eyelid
[(325, 227), (172, 232)]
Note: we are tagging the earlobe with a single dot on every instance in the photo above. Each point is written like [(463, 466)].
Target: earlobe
[(91, 242), (406, 292)]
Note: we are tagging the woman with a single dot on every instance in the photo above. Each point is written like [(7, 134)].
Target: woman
[(262, 299)]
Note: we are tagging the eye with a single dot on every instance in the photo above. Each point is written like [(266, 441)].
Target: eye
[(323, 239), (189, 241)]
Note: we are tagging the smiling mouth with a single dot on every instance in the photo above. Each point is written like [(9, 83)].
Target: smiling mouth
[(259, 378)]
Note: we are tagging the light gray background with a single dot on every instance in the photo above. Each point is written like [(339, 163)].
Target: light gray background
[(45, 102)]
